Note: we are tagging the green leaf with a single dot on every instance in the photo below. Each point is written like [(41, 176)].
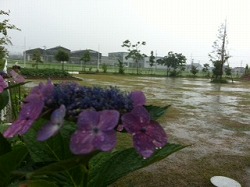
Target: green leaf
[(63, 165), (5, 146), (54, 149), (9, 162), (156, 111), (38, 183), (108, 168), (4, 99)]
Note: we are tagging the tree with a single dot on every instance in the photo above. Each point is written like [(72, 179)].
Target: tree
[(62, 57), (175, 63), (134, 52), (220, 55), (194, 70), (228, 71), (85, 58), (246, 70), (121, 67), (37, 57), (5, 26), (205, 69), (151, 60)]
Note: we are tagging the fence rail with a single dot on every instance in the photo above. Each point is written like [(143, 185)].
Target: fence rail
[(110, 68)]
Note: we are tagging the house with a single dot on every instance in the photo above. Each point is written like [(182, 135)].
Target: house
[(238, 71), (29, 53), (49, 54), (95, 56), (46, 54)]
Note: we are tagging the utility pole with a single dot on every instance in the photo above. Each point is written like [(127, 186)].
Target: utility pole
[(24, 53), (98, 57)]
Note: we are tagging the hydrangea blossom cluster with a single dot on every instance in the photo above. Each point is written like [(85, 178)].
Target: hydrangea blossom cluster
[(97, 113), (77, 98)]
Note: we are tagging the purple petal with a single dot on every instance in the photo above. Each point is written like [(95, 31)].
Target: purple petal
[(108, 119), (56, 122), (47, 131), (33, 108), (105, 141), (19, 127), (88, 119), (58, 115), (157, 134), (131, 123), (142, 113), (144, 145), (136, 119), (3, 84), (17, 78), (138, 98), (81, 142), (48, 89), (44, 90)]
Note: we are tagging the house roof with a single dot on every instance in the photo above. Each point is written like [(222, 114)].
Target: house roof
[(31, 51), (58, 48)]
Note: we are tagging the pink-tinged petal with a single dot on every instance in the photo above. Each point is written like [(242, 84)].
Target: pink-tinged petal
[(108, 119), (19, 127), (81, 142), (47, 131), (17, 77), (138, 98), (87, 119), (144, 145), (105, 141)]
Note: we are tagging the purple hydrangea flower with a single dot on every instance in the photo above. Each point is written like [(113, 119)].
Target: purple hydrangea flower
[(31, 110), (95, 131), (3, 84), (56, 122), (46, 91), (148, 135), (17, 78), (138, 98)]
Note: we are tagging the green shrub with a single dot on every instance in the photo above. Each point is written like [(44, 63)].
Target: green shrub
[(219, 81), (44, 73)]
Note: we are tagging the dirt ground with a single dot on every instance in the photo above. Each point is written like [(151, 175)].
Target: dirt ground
[(213, 119)]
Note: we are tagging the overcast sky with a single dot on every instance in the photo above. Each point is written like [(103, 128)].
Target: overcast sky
[(182, 26)]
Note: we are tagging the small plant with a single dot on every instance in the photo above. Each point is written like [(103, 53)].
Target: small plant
[(121, 67), (104, 68), (44, 73)]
